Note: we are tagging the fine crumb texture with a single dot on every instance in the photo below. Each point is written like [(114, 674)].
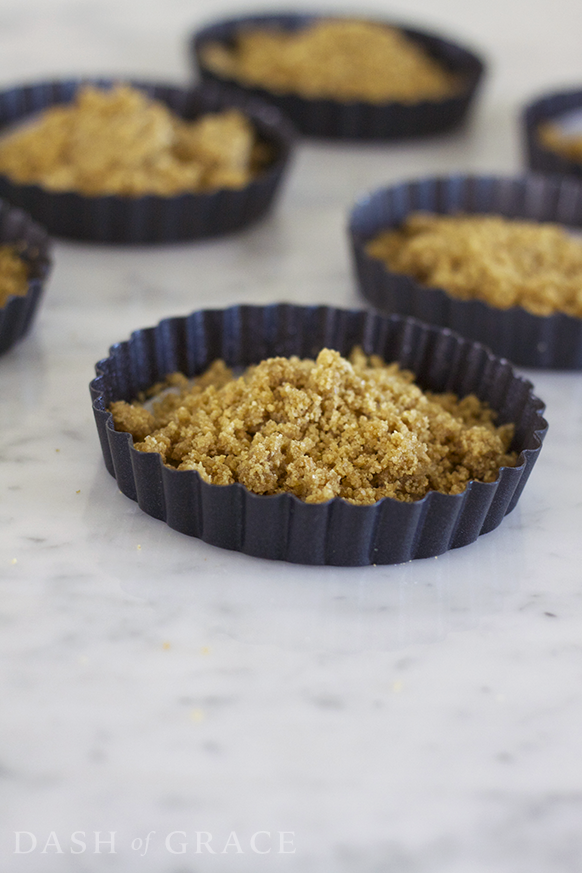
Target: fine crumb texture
[(555, 140), (358, 429), (337, 59), (13, 274), (120, 141), (500, 261)]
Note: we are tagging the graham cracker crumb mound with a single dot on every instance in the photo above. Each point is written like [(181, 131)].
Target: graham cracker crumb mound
[(568, 145), (338, 59), (358, 429), (13, 274), (120, 141), (485, 257)]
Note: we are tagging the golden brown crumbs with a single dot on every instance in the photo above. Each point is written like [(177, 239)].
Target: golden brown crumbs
[(341, 59), (120, 141), (13, 274), (567, 145), (358, 429), (484, 257)]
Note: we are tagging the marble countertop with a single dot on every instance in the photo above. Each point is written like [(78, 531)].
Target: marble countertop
[(168, 706)]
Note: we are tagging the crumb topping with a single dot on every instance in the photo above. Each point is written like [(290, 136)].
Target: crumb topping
[(341, 59), (485, 257), (567, 145), (120, 141), (13, 274), (358, 429)]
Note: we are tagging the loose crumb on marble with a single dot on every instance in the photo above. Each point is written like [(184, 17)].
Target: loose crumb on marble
[(338, 59), (120, 141), (13, 274), (197, 715), (568, 145), (358, 429), (503, 262)]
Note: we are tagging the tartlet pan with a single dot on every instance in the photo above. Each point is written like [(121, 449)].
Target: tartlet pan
[(17, 315), (283, 527), (529, 340), (150, 218), (357, 119), (550, 108)]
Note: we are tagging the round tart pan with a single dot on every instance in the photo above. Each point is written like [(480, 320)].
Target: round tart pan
[(149, 218), (553, 341), (282, 527), (548, 108), (17, 315), (357, 119)]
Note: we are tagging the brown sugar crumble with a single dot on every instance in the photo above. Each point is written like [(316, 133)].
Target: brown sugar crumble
[(500, 261), (338, 59), (13, 274), (120, 141), (358, 429), (555, 140)]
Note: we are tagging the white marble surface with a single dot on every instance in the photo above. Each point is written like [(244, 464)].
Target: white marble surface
[(413, 719)]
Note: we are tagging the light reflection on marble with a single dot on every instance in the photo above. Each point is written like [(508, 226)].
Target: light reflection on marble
[(421, 718)]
